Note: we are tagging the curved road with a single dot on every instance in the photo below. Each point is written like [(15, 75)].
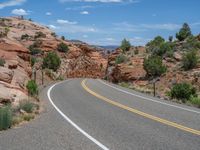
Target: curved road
[(92, 114)]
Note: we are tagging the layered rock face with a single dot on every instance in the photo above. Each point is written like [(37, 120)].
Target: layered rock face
[(132, 71), (16, 35)]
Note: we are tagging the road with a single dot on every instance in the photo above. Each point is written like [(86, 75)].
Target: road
[(93, 114)]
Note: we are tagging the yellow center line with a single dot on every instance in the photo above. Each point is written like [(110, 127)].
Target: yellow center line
[(163, 121)]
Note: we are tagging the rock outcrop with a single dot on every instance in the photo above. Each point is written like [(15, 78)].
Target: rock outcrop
[(17, 35)]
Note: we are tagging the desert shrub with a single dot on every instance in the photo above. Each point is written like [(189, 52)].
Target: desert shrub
[(195, 101), (28, 117), (170, 53), (125, 45), (2, 62), (33, 61), (51, 61), (170, 38), (156, 42), (27, 106), (60, 78), (16, 120), (120, 59), (124, 84), (182, 91), (62, 47), (5, 118), (32, 88), (4, 33), (40, 35), (192, 43), (53, 34), (35, 51), (154, 66), (190, 60), (162, 49), (35, 45), (184, 32), (24, 37), (63, 38)]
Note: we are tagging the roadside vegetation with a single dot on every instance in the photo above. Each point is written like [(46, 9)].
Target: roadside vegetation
[(62, 47), (2, 62), (11, 115), (51, 61), (181, 53)]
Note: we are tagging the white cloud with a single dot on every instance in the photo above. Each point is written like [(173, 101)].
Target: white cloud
[(110, 39), (84, 12), (65, 26), (101, 1), (80, 7), (167, 26), (11, 3), (61, 21), (139, 41), (48, 13), (126, 27), (19, 12), (52, 26)]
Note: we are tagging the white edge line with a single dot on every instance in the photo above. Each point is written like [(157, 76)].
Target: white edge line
[(71, 122), (190, 110)]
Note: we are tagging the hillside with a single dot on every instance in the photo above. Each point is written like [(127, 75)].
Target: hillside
[(24, 44), (180, 58)]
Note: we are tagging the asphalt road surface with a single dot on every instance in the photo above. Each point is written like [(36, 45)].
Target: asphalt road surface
[(92, 114)]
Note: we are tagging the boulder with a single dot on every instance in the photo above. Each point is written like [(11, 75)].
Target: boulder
[(6, 74)]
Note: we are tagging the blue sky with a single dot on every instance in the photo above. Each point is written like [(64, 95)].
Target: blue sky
[(107, 22)]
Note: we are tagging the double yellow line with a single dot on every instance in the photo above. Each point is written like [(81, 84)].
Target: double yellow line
[(163, 121)]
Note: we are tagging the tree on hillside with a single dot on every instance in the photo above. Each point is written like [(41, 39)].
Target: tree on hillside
[(184, 32), (154, 66), (155, 44), (170, 38), (62, 47), (125, 45), (51, 61), (63, 38), (190, 60)]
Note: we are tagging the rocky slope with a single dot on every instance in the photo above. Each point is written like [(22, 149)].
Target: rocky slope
[(16, 35), (132, 71)]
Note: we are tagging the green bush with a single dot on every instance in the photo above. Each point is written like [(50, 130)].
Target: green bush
[(35, 51), (33, 61), (24, 37), (63, 38), (32, 88), (182, 91), (192, 43), (154, 66), (2, 62), (53, 34), (195, 101), (184, 32), (5, 118), (170, 38), (190, 60), (62, 47), (28, 117), (162, 49), (52, 61), (125, 45), (155, 43), (35, 45), (27, 106), (40, 35), (120, 59)]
